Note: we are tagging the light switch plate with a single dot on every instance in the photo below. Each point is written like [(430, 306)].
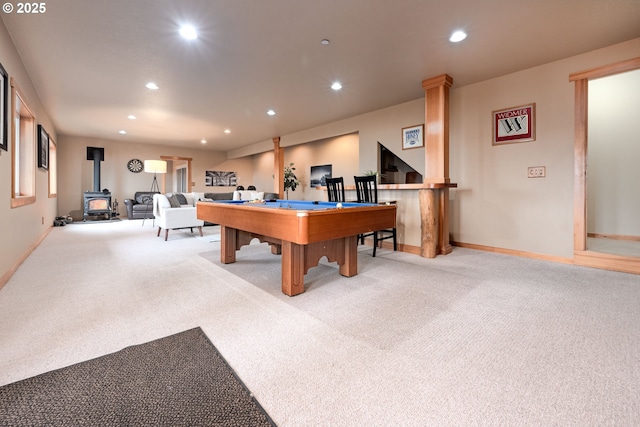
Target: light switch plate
[(537, 172)]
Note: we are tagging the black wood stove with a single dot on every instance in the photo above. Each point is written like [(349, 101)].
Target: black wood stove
[(96, 202)]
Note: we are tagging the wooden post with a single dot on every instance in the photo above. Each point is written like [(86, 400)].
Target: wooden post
[(434, 202), (278, 167), (429, 215)]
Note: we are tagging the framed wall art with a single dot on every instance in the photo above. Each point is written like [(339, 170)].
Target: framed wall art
[(220, 179), (413, 137), (43, 148), (4, 103), (319, 174), (515, 124)]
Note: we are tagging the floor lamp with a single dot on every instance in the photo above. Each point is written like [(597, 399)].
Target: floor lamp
[(155, 167)]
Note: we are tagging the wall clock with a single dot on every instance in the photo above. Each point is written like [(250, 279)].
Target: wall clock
[(135, 165)]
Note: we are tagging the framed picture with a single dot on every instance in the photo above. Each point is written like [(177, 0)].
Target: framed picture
[(43, 148), (220, 179), (413, 137), (319, 174), (4, 102), (515, 124)]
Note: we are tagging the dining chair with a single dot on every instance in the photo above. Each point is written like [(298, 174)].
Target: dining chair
[(367, 192), (335, 189)]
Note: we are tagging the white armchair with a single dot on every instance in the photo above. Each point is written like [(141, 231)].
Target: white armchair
[(170, 217)]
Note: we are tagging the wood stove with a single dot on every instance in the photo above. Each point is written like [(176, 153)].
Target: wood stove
[(96, 202)]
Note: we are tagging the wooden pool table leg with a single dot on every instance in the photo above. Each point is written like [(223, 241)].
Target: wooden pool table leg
[(228, 238), (293, 268), (350, 266), (297, 259)]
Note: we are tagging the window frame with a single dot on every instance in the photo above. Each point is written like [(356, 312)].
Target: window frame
[(22, 157)]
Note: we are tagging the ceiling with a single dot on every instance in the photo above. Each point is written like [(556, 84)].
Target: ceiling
[(90, 60)]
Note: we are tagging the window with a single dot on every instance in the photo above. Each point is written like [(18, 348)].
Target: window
[(23, 143), (53, 169)]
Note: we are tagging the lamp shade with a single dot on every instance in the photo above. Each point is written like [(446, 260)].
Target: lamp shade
[(155, 166)]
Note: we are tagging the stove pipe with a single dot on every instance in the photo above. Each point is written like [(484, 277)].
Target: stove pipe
[(97, 155)]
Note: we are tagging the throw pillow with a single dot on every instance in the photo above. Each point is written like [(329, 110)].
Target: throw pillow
[(181, 198), (173, 200), (145, 199)]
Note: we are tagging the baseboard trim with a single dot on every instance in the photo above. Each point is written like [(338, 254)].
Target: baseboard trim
[(614, 237), (603, 261), (416, 250), (6, 276), (514, 252)]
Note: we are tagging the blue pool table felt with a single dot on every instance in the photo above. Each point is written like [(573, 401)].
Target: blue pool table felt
[(301, 205)]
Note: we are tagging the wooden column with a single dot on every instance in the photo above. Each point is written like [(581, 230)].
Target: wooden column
[(430, 223), (278, 167), (580, 165), (434, 198)]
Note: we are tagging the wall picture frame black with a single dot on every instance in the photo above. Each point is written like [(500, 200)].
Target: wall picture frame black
[(4, 108), (43, 148)]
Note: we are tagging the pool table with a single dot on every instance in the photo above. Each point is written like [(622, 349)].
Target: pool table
[(301, 231)]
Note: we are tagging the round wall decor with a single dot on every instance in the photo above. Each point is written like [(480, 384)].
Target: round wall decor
[(135, 165)]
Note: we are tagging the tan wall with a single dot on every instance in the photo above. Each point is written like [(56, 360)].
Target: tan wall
[(22, 227), (495, 203), (340, 152), (76, 172)]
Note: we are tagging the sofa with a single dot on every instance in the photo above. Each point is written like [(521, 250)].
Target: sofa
[(174, 211), (236, 195), (141, 206)]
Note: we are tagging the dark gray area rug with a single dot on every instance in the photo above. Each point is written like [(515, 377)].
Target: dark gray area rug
[(180, 380)]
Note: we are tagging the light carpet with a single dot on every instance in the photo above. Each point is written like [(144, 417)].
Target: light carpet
[(471, 338)]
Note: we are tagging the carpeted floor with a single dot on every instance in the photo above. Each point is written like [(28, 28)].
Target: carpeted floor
[(471, 338), (180, 380)]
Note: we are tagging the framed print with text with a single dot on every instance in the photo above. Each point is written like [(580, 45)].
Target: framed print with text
[(413, 137), (515, 124)]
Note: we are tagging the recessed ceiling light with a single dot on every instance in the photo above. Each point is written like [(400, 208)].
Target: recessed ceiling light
[(271, 113), (152, 86), (122, 132), (336, 86), (325, 41), (227, 131), (458, 36), (203, 141), (131, 117), (188, 32)]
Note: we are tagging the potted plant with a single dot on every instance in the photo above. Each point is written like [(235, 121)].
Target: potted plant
[(291, 181), (377, 174)]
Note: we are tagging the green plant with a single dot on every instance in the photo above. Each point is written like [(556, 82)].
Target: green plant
[(291, 181), (374, 173)]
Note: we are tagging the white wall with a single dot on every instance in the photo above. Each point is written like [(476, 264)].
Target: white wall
[(614, 151)]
